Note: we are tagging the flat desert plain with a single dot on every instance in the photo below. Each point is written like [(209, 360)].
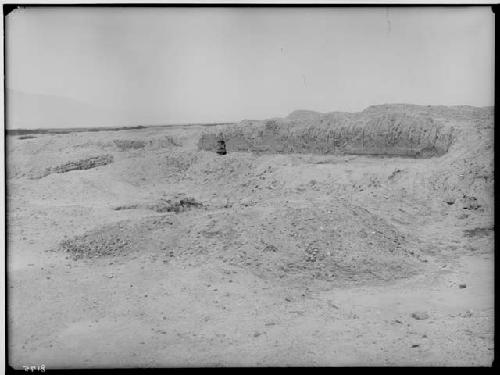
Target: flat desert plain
[(318, 240)]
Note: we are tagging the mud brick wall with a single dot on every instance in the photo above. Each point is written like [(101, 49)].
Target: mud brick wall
[(387, 134)]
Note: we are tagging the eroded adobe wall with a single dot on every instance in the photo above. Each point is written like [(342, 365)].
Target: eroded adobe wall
[(395, 134)]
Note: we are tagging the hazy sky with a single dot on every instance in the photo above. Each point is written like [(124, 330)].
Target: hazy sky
[(171, 65)]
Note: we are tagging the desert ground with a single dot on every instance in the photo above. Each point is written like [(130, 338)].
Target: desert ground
[(145, 248)]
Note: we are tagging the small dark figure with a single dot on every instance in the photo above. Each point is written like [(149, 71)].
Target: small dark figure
[(221, 147)]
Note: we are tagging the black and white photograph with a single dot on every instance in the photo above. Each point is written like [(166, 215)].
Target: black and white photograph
[(195, 185)]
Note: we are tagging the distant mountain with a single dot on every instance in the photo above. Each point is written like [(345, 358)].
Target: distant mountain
[(30, 111)]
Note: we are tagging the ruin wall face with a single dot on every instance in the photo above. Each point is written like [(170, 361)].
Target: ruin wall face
[(387, 134)]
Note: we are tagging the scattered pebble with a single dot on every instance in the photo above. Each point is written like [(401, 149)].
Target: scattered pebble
[(334, 306), (420, 315), (466, 314)]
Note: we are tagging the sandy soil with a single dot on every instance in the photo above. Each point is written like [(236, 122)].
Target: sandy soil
[(307, 260)]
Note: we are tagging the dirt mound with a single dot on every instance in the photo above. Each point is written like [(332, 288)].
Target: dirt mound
[(466, 174), (82, 164), (117, 239), (318, 244), (391, 130), (215, 169), (125, 145), (158, 166), (35, 158), (336, 244), (109, 240), (306, 115), (141, 144)]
